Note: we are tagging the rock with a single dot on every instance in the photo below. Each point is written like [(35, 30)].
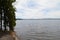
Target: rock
[(8, 36)]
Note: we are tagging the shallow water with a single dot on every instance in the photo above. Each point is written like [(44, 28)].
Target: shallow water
[(38, 29)]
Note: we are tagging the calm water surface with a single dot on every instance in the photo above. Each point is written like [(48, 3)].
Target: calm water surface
[(38, 29)]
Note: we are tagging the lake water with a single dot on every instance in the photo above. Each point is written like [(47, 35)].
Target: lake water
[(38, 29)]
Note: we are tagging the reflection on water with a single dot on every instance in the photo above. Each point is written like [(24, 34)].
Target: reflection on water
[(38, 29)]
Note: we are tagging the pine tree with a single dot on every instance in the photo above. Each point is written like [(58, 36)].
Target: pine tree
[(9, 13)]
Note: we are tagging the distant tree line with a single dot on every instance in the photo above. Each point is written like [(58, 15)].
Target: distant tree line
[(7, 11)]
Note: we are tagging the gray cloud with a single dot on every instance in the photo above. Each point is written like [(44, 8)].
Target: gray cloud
[(38, 8), (31, 4)]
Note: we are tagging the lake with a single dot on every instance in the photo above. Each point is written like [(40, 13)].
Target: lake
[(38, 29)]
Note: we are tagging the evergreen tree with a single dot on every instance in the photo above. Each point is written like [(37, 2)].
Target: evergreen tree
[(9, 13)]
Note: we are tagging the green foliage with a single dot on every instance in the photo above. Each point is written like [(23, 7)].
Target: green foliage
[(9, 13)]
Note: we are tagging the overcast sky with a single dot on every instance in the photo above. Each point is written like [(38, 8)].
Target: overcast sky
[(36, 9)]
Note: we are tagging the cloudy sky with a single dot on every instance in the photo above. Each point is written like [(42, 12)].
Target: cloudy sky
[(36, 9)]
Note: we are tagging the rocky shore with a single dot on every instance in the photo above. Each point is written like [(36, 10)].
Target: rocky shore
[(5, 35)]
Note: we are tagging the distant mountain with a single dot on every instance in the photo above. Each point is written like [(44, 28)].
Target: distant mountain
[(39, 19), (51, 19)]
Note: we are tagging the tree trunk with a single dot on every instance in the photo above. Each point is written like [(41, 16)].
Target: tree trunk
[(1, 21), (5, 22)]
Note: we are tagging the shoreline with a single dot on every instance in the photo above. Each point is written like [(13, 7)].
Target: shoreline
[(8, 35)]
